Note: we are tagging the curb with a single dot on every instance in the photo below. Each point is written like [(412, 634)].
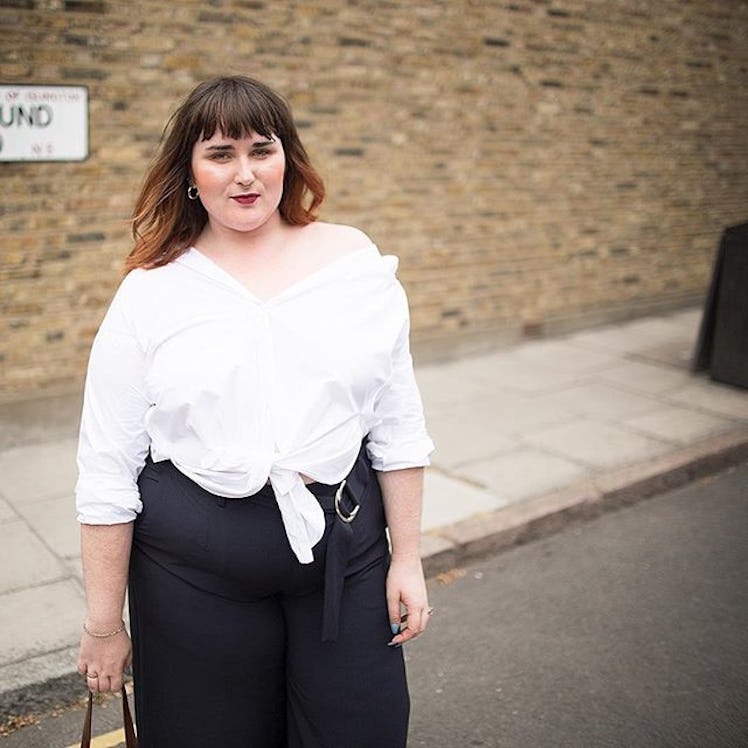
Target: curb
[(484, 534)]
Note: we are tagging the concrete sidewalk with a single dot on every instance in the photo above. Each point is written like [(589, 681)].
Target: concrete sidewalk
[(526, 438)]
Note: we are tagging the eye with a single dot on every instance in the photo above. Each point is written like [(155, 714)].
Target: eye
[(219, 156), (262, 152)]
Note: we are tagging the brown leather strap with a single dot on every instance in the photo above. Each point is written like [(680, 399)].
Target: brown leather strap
[(86, 737), (131, 741)]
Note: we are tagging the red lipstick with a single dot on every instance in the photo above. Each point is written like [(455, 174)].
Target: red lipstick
[(245, 199)]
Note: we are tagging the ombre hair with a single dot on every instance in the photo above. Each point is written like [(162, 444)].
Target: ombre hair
[(165, 222)]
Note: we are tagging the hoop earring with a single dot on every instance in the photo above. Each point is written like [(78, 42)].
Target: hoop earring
[(192, 192)]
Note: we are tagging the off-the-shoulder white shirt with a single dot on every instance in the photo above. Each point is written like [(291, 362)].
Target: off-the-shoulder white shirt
[(236, 391)]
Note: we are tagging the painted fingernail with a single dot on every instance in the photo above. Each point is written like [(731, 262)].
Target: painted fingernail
[(395, 628), (394, 644)]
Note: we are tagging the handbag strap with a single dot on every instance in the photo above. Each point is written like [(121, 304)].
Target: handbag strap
[(131, 740)]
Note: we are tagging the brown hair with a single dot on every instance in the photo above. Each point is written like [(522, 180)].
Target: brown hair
[(164, 222)]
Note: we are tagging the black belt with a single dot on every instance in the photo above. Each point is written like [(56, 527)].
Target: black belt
[(345, 506)]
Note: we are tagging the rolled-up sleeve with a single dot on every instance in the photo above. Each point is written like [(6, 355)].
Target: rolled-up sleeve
[(113, 441), (398, 438)]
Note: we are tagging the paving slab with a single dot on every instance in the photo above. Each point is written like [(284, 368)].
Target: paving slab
[(465, 436), (643, 335), (446, 500), (38, 471), (710, 396), (24, 559), (40, 619), (630, 483), (493, 372), (523, 473), (643, 377), (522, 414), (599, 400), (75, 568), (687, 320), (676, 353), (54, 520), (678, 425), (517, 523), (448, 385), (521, 377), (38, 669), (563, 355), (7, 513), (503, 412), (40, 420), (474, 368), (596, 444)]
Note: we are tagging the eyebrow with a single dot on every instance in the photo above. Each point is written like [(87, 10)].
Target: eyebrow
[(229, 147)]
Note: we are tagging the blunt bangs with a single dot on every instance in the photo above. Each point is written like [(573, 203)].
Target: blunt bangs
[(238, 107)]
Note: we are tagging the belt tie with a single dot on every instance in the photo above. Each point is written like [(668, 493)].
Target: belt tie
[(339, 545)]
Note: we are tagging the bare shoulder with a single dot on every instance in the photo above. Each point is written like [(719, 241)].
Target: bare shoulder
[(336, 239)]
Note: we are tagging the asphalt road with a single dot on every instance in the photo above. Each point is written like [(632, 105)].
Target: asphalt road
[(629, 631)]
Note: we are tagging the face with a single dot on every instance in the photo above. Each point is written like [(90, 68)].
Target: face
[(240, 182)]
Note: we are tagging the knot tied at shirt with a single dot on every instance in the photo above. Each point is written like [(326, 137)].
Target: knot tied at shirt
[(303, 517)]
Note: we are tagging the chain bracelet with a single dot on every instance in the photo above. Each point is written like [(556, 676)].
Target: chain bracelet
[(96, 635)]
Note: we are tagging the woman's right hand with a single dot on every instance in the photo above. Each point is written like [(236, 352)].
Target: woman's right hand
[(106, 658)]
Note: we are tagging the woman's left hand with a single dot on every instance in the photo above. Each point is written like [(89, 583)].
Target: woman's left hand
[(406, 588)]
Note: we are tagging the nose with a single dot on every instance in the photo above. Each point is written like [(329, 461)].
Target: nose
[(244, 171)]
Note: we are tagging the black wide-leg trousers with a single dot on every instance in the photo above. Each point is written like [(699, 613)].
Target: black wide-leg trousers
[(227, 625)]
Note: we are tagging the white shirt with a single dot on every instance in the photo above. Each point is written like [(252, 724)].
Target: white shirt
[(236, 391)]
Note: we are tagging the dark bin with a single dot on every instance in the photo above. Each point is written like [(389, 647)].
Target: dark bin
[(722, 346)]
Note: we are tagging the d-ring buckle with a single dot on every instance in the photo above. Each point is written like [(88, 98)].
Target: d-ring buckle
[(338, 495)]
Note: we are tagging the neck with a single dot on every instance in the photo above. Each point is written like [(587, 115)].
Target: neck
[(220, 240)]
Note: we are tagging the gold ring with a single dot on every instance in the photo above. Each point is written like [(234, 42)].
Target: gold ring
[(92, 675)]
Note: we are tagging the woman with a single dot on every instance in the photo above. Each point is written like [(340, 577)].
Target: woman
[(250, 425)]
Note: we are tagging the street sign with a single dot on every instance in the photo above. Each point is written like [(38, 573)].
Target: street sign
[(43, 123)]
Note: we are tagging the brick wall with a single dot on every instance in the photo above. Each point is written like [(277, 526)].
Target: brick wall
[(537, 165)]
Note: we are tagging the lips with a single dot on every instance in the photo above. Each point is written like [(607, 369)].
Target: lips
[(245, 199)]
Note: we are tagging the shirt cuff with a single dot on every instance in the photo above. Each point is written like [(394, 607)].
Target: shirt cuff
[(413, 453), (98, 504)]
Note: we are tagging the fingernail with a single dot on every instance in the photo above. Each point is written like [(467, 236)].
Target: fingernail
[(395, 628), (394, 644)]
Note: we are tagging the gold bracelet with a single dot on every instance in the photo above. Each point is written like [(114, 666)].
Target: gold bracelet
[(104, 636)]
